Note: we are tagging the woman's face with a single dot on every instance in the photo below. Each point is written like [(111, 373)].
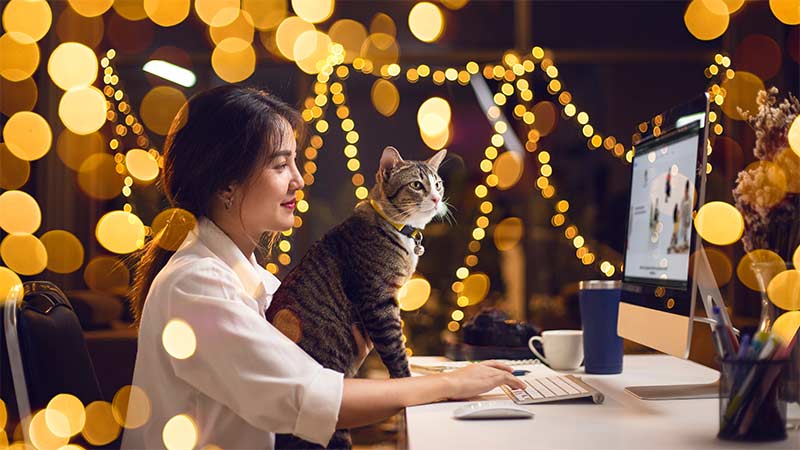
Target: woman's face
[(268, 200)]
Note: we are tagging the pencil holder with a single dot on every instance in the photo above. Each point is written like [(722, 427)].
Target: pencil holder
[(750, 405)]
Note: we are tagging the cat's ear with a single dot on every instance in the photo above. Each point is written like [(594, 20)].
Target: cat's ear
[(390, 158), (435, 160)]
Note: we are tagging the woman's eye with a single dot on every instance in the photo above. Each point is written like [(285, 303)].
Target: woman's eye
[(416, 185)]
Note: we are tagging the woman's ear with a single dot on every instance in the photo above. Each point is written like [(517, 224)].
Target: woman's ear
[(226, 195)]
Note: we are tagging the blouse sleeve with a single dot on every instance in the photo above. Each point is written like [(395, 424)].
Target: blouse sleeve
[(245, 363)]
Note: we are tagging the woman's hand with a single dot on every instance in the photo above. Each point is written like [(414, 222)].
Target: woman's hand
[(364, 346), (476, 379)]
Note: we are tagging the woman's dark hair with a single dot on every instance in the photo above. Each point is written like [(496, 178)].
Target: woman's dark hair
[(219, 137)]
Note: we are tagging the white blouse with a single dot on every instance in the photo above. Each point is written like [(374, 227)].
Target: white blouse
[(245, 381)]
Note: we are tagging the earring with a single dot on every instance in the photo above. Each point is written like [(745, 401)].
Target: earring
[(228, 203)]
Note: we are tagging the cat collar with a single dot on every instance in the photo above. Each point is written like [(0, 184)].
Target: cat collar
[(407, 230)]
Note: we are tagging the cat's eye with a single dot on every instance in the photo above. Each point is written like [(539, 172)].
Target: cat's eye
[(417, 185)]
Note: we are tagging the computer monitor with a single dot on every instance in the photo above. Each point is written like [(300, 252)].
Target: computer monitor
[(668, 177)]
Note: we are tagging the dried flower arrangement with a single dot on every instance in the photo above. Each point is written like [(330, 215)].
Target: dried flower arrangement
[(767, 192)]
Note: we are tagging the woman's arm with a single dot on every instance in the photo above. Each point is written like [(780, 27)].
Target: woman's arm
[(368, 401)]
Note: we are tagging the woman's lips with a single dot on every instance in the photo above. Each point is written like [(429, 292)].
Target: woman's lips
[(289, 204)]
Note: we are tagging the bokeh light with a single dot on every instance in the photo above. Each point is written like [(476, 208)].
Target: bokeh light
[(310, 51), (508, 233), (742, 91), (706, 19), (758, 267), (141, 164), (98, 178), (380, 49), (107, 274), (546, 114), (19, 59), (476, 286), (15, 171), (17, 96), (180, 433), (233, 66), (383, 23), (10, 284), (120, 232), (789, 162), (287, 33), (132, 10), (69, 407), (794, 136), (27, 135), (131, 407), (177, 223), (784, 290), (27, 20), (719, 223), (433, 116), (508, 167), (26, 217), (83, 109), (178, 339), (73, 27), (787, 11), (351, 35), (100, 428), (160, 106), (796, 258), (288, 323), (217, 13), (760, 55), (43, 436), (90, 8), (23, 253), (786, 325), (436, 142), (385, 97), (426, 22), (64, 251), (167, 13), (266, 14), (72, 65), (721, 265), (313, 11), (74, 149), (414, 294), (242, 28)]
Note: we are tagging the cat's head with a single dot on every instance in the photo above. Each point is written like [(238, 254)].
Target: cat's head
[(410, 192)]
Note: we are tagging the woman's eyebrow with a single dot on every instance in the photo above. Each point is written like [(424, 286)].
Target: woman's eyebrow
[(278, 154)]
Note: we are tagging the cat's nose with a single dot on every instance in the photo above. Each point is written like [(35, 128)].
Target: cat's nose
[(436, 200)]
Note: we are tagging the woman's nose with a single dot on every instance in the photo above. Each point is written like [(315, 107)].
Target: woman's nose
[(297, 180)]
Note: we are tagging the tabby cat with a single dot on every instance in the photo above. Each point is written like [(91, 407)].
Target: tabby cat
[(352, 275)]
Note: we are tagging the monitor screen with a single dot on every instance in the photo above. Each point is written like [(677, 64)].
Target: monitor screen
[(663, 194)]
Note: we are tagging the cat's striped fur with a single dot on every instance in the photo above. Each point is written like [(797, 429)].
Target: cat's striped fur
[(352, 275)]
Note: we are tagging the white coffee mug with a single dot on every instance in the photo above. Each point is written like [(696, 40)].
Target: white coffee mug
[(564, 348)]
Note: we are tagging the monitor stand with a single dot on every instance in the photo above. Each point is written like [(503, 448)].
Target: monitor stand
[(709, 292), (676, 391)]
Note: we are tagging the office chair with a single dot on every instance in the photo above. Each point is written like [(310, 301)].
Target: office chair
[(46, 352)]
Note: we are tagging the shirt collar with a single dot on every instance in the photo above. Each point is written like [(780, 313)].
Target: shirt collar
[(257, 281)]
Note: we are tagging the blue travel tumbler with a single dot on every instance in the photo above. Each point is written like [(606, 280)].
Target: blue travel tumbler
[(599, 303)]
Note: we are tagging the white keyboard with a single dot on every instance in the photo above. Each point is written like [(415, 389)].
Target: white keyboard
[(552, 388)]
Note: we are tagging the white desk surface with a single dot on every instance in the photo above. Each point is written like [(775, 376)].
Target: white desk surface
[(622, 422)]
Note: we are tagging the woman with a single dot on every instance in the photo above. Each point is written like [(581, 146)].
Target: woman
[(229, 159)]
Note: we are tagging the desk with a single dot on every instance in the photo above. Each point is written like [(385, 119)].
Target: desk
[(622, 422)]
